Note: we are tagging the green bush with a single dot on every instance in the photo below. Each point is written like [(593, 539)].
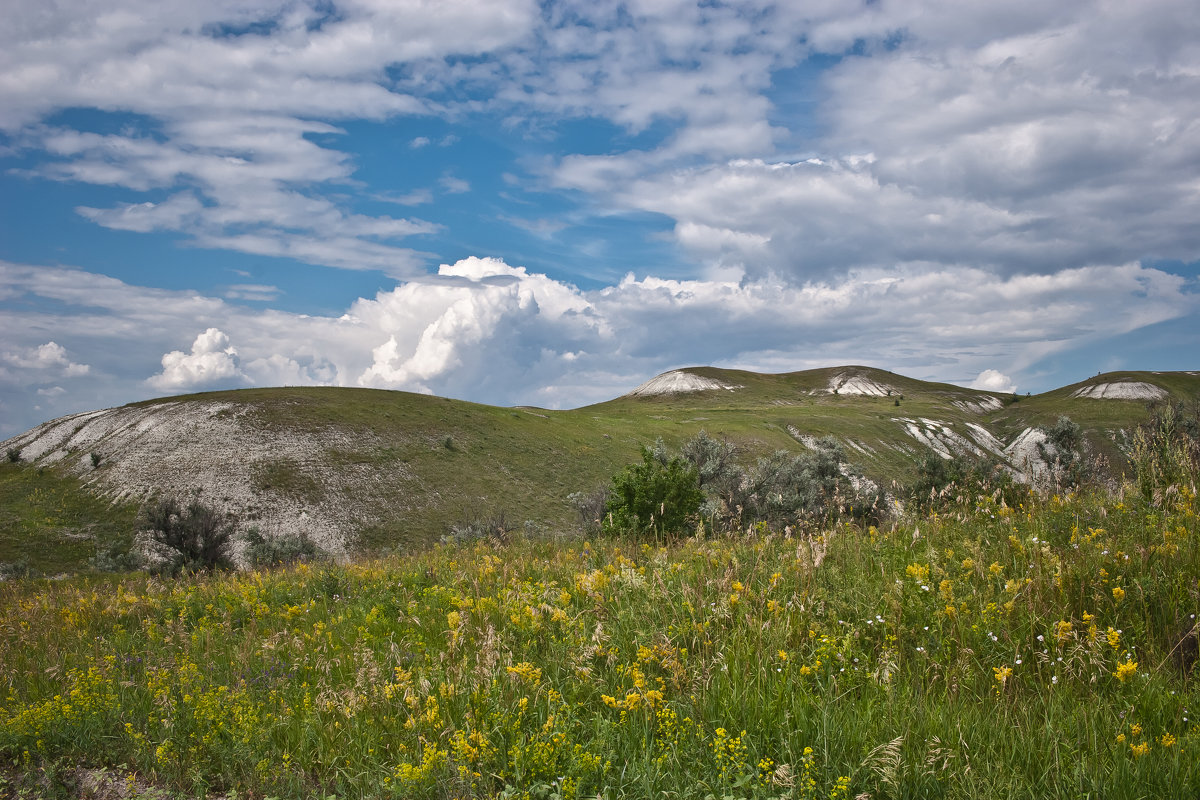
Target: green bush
[(942, 482), (192, 539), (1166, 449), (278, 550), (780, 489), (656, 497), (1063, 452)]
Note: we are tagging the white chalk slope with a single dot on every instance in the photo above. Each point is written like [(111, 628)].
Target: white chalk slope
[(679, 382), (212, 448)]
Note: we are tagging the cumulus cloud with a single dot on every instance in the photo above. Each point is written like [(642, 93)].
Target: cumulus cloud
[(994, 381), (484, 330), (212, 360), (49, 357)]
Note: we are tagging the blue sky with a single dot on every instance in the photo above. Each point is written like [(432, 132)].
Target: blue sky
[(516, 202)]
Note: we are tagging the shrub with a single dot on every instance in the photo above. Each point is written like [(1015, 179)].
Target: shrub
[(1166, 449), (14, 455), (943, 481), (591, 507), (278, 550), (118, 556), (1063, 452), (657, 496), (494, 528), (192, 539)]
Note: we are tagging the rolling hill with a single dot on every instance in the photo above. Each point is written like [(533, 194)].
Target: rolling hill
[(369, 470)]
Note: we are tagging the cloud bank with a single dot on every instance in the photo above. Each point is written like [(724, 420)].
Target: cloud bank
[(483, 330)]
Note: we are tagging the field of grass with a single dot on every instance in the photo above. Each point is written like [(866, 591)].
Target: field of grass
[(986, 651)]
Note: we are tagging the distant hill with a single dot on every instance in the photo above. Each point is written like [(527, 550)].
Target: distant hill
[(370, 469)]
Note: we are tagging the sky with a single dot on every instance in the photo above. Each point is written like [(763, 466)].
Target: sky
[(547, 203)]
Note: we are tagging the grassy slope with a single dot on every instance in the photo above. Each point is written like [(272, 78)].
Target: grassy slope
[(50, 523), (443, 461)]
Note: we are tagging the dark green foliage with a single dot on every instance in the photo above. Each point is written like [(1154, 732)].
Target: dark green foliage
[(656, 497), (193, 539), (14, 455), (10, 570), (935, 475), (278, 550)]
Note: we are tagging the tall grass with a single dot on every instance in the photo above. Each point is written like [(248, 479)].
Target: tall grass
[(984, 651)]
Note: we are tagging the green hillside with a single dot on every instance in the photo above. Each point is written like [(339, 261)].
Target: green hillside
[(390, 470)]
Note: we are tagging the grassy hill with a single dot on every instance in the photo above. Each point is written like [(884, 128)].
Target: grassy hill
[(365, 470)]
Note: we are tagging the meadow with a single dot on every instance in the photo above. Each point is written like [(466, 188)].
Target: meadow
[(1043, 649)]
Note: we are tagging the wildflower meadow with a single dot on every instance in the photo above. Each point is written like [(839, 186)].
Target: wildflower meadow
[(1043, 650)]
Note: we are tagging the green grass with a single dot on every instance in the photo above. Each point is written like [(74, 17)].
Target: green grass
[(983, 652), (51, 523)]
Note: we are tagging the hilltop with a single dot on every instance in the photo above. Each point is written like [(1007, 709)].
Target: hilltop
[(368, 470)]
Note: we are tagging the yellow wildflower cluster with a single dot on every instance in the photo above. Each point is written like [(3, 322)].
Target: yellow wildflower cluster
[(1126, 671)]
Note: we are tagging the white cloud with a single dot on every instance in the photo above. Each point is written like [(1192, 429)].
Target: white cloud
[(991, 380), (48, 357), (254, 292), (484, 330), (453, 185), (212, 360)]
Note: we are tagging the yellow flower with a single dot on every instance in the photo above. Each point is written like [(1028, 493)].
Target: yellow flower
[(1120, 738), (1136, 730), (1114, 638), (1167, 740), (1118, 593), (1062, 631), (1002, 674), (995, 568), (1140, 750), (526, 672), (1126, 671), (918, 572), (783, 656)]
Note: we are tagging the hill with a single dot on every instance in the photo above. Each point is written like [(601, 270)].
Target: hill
[(369, 470)]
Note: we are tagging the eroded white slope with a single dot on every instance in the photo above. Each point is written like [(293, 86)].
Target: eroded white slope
[(210, 449), (678, 382)]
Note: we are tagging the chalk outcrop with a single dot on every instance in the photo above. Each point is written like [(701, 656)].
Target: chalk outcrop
[(679, 382)]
